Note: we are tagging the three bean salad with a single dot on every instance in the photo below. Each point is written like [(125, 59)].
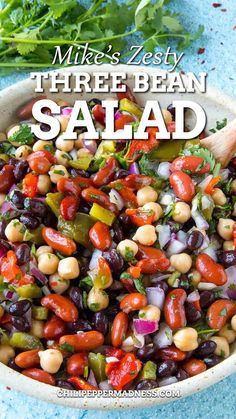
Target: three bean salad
[(117, 259)]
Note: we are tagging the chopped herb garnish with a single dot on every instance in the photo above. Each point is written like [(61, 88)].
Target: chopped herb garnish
[(139, 286), (223, 312), (67, 347), (22, 136)]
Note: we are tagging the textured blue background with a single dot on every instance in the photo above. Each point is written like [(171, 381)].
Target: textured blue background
[(219, 41)]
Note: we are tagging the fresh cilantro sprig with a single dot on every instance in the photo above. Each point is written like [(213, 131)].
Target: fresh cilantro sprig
[(219, 125), (206, 155), (22, 136), (30, 29)]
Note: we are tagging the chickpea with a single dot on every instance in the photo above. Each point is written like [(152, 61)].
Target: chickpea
[(182, 212), (195, 277), (2, 198), (127, 248), (44, 184), (145, 195), (181, 262), (48, 263), (206, 286), (234, 210), (233, 186), (68, 268), (83, 152), (64, 120), (14, 231), (97, 299), (37, 328), (167, 116), (50, 360), (58, 284), (222, 348), (80, 142), (150, 312), (146, 235), (227, 333), (64, 145), (42, 145), (228, 245), (1, 311), (57, 172), (219, 197), (62, 158), (233, 322), (156, 208), (43, 249), (225, 228), (6, 353), (23, 152), (185, 339), (3, 136)]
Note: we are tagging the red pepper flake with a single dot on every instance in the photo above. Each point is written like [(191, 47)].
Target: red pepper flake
[(201, 51), (216, 5)]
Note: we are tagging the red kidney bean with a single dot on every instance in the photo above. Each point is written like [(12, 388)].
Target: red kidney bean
[(25, 111), (39, 375), (7, 178), (93, 195), (76, 363), (69, 207), (210, 270), (28, 359), (61, 306), (58, 241), (84, 341), (193, 164), (174, 309), (194, 366), (106, 173), (54, 328), (132, 302), (119, 329), (183, 186), (100, 236), (172, 352), (99, 114), (40, 165), (69, 186), (219, 313)]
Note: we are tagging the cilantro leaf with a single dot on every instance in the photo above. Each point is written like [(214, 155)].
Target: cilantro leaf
[(139, 286), (22, 136)]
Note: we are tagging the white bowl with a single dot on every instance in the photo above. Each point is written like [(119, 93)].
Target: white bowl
[(217, 107)]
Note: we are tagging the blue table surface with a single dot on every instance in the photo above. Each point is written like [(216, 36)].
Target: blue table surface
[(218, 60)]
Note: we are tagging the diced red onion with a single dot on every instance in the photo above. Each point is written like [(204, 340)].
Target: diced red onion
[(210, 252), (231, 283), (181, 236), (38, 274), (116, 199), (193, 296), (118, 115), (224, 174), (138, 340), (92, 379), (164, 170), (145, 327), (175, 247), (128, 344), (94, 259), (199, 220), (73, 154), (66, 111), (155, 296), (134, 169), (167, 381), (203, 184), (164, 234), (167, 198), (104, 385), (155, 278), (163, 337), (110, 359), (10, 295), (91, 145)]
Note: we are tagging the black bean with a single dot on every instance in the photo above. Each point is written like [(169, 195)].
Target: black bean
[(181, 374), (125, 221), (13, 161), (146, 352), (77, 172), (50, 220), (117, 232), (29, 221), (228, 258), (23, 254), (84, 207), (166, 368), (17, 198), (12, 364), (80, 325), (19, 307), (21, 324), (3, 225), (64, 384), (205, 349), (112, 310), (76, 295), (4, 245), (2, 163), (192, 314), (171, 109), (206, 299), (195, 240), (120, 174), (37, 207), (100, 322), (146, 385), (44, 127), (114, 260), (20, 170), (184, 282), (212, 360)]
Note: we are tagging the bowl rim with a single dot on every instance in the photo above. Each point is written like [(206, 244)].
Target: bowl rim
[(45, 392)]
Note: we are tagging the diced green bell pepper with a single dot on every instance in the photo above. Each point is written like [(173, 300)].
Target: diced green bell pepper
[(97, 363), (149, 371), (4, 337), (78, 229), (131, 107), (172, 278), (53, 200), (39, 313), (29, 291), (104, 148), (25, 341), (35, 236), (4, 157), (102, 214), (82, 163), (167, 150)]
